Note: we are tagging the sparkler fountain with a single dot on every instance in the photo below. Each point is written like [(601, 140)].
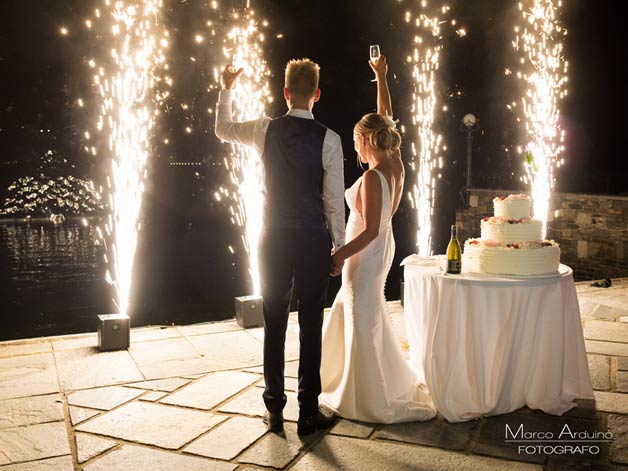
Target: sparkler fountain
[(242, 47), (425, 61), (543, 70), (127, 85)]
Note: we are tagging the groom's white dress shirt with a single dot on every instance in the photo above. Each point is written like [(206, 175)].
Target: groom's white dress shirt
[(253, 133)]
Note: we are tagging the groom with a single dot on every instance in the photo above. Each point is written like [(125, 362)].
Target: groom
[(303, 185)]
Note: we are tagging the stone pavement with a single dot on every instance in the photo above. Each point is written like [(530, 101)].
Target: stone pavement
[(189, 397)]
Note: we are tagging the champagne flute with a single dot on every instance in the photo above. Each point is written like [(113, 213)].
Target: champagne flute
[(374, 55), (237, 62)]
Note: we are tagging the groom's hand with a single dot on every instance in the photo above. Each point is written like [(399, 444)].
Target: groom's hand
[(229, 76), (336, 265)]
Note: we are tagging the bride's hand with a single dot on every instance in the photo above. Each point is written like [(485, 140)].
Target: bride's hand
[(380, 67), (336, 265)]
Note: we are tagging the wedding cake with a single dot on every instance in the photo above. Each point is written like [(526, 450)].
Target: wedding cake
[(510, 242)]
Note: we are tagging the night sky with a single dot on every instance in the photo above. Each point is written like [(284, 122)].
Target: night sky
[(44, 73)]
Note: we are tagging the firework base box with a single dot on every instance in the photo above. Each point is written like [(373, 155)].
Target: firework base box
[(249, 311), (113, 332)]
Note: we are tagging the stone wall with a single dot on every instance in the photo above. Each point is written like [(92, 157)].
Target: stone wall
[(592, 230)]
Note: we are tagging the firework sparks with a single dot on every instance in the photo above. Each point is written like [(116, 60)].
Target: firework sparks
[(243, 47), (126, 83), (543, 70), (425, 61)]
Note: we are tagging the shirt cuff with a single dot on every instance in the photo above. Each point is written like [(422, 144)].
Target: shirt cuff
[(225, 95)]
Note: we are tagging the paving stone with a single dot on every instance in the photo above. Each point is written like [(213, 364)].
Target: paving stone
[(167, 385), (163, 358), (248, 353), (290, 384), (292, 340), (79, 414), (62, 463), (75, 341), (251, 403), (30, 411), (228, 439), (152, 424), (606, 348), (153, 396), (131, 457), (622, 381), (607, 331), (611, 402), (30, 375), (35, 442), (351, 428), (208, 392), (564, 464), (618, 426), (599, 368), (84, 368), (89, 446), (12, 349), (153, 333), (103, 398), (351, 454), (291, 369), (209, 328), (277, 450), (254, 369), (438, 433), (622, 363)]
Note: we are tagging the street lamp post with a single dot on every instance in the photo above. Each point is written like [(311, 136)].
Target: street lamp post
[(468, 125)]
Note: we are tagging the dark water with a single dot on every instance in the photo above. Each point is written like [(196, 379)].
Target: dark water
[(53, 276), (51, 279)]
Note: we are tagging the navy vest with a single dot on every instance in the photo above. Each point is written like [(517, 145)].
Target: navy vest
[(293, 174)]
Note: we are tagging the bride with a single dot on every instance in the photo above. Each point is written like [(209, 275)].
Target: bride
[(364, 374)]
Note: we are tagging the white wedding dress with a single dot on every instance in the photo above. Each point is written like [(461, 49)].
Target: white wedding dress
[(364, 374)]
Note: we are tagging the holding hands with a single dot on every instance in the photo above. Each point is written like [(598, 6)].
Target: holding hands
[(336, 264)]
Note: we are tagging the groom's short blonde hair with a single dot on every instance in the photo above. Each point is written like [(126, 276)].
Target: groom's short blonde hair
[(302, 77)]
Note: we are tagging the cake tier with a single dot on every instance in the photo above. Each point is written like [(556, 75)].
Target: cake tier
[(525, 259), (511, 231), (512, 207)]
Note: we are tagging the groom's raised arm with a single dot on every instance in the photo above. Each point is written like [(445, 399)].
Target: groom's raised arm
[(334, 187), (249, 133)]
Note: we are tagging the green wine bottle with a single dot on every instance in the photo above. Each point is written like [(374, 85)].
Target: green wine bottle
[(454, 254)]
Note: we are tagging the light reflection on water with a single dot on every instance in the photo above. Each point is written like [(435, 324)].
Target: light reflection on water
[(45, 254), (52, 279)]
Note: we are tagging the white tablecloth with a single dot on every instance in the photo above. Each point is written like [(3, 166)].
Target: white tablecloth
[(488, 345)]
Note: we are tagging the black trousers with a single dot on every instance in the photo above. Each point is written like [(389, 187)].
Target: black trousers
[(302, 259)]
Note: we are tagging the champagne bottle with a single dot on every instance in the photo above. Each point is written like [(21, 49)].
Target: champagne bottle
[(454, 253)]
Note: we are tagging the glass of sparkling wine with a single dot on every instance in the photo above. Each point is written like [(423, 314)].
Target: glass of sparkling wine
[(237, 62), (374, 55)]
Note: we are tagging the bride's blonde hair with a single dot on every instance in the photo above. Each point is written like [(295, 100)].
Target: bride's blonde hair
[(381, 133)]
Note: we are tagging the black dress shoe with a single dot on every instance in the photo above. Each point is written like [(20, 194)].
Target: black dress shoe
[(273, 421), (320, 420)]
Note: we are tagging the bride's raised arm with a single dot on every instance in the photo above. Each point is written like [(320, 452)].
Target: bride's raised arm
[(380, 67)]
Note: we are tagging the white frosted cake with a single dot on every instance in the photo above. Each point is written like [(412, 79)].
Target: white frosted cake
[(510, 242)]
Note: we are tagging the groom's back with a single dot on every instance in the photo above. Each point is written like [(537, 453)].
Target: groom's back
[(293, 173)]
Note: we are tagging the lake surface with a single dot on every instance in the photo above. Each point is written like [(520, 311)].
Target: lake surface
[(52, 280)]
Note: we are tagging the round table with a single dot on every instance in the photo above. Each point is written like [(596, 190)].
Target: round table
[(488, 345)]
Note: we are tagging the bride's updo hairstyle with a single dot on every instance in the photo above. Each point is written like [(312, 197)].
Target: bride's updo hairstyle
[(381, 132)]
